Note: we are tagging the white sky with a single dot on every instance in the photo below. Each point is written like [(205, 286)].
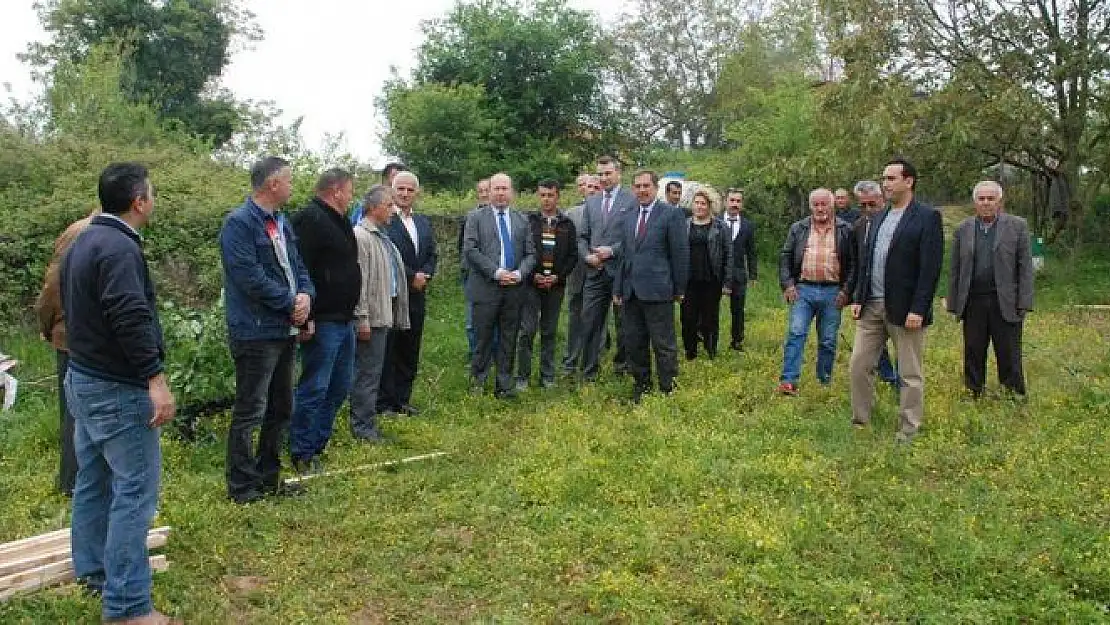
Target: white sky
[(324, 59)]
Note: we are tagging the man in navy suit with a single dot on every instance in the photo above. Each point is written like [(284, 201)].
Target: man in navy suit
[(413, 236), (500, 254), (745, 265), (898, 273), (654, 267), (599, 246)]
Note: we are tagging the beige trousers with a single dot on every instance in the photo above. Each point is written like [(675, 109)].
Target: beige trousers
[(872, 331)]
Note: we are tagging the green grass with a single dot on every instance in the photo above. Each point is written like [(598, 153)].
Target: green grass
[(723, 503)]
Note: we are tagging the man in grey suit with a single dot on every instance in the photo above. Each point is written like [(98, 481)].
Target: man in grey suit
[(990, 288), (587, 184), (500, 254), (599, 247), (654, 268)]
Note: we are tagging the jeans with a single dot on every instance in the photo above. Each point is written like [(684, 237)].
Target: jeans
[(369, 361), (67, 465), (540, 311), (327, 366), (119, 469), (263, 401), (813, 301), (887, 371)]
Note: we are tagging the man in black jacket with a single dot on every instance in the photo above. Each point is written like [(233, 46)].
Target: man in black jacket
[(413, 236), (327, 245), (118, 393), (816, 269), (556, 244), (745, 265), (899, 269)]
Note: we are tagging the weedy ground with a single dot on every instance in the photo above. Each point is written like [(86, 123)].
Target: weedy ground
[(722, 503)]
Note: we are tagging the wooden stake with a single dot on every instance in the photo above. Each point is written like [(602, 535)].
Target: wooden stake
[(365, 467), (60, 572)]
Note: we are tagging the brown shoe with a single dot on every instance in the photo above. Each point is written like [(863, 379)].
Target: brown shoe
[(154, 618)]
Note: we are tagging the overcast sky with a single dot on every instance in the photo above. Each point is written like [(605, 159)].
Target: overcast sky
[(323, 59)]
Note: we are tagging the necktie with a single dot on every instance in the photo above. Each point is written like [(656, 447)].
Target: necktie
[(506, 242), (732, 226), (607, 204), (641, 228)]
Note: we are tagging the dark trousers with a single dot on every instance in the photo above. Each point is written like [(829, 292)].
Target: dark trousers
[(264, 402), (402, 359), (597, 298), (540, 311), (575, 330), (736, 301), (701, 313), (502, 314), (369, 362), (983, 324), (648, 327), (67, 463)]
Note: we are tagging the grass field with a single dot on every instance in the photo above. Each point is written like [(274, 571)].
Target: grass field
[(723, 503)]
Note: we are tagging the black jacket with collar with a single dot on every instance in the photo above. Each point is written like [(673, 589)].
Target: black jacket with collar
[(745, 264), (793, 251), (566, 245), (110, 308), (912, 264), (327, 245)]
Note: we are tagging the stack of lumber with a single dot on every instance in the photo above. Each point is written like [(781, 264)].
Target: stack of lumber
[(46, 560)]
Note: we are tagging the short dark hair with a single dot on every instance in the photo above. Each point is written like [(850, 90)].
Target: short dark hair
[(549, 183), (120, 184), (333, 177), (390, 168), (263, 169), (646, 172), (673, 183), (908, 170), (608, 160)]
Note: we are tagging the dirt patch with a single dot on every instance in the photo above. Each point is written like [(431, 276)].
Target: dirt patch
[(244, 585)]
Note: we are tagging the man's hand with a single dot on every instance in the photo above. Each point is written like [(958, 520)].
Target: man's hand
[(308, 330), (419, 280), (617, 300), (841, 299), (856, 310), (505, 277), (791, 294), (914, 321), (364, 332), (726, 290), (604, 252), (593, 260), (302, 305), (162, 401), (679, 298)]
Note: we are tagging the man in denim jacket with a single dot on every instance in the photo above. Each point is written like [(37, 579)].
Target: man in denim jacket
[(268, 296)]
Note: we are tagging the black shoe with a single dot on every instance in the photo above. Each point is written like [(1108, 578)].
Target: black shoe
[(248, 497), (285, 489), (92, 585), (737, 346), (507, 394), (306, 466), (409, 409), (370, 437)]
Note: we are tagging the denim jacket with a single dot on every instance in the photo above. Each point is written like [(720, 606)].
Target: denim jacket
[(257, 297)]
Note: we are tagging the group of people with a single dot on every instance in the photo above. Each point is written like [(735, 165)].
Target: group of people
[(884, 263), (347, 283)]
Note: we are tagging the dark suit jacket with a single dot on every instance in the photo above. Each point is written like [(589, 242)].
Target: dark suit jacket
[(912, 265), (597, 232), (745, 265), (1013, 267), (482, 251), (423, 260), (657, 267)]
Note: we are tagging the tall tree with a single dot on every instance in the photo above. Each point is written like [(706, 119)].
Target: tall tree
[(174, 49), (538, 67)]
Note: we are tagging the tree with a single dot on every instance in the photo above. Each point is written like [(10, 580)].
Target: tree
[(539, 69), (173, 50)]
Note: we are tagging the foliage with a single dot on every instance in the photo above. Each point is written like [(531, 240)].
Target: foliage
[(526, 79), (198, 360), (172, 52)]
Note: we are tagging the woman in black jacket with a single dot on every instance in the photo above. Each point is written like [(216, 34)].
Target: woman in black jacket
[(710, 275)]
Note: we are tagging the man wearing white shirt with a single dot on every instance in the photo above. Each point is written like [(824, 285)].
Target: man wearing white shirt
[(500, 255), (744, 263)]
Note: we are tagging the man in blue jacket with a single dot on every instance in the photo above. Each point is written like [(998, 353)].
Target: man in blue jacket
[(117, 390), (268, 296)]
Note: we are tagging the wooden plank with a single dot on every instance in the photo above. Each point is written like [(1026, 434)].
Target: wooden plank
[(61, 572), (1092, 306), (155, 539), (27, 546), (365, 467)]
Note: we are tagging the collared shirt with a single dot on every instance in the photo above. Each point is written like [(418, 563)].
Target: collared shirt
[(883, 238), (410, 227), (733, 224), (119, 219), (820, 262), (497, 212)]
